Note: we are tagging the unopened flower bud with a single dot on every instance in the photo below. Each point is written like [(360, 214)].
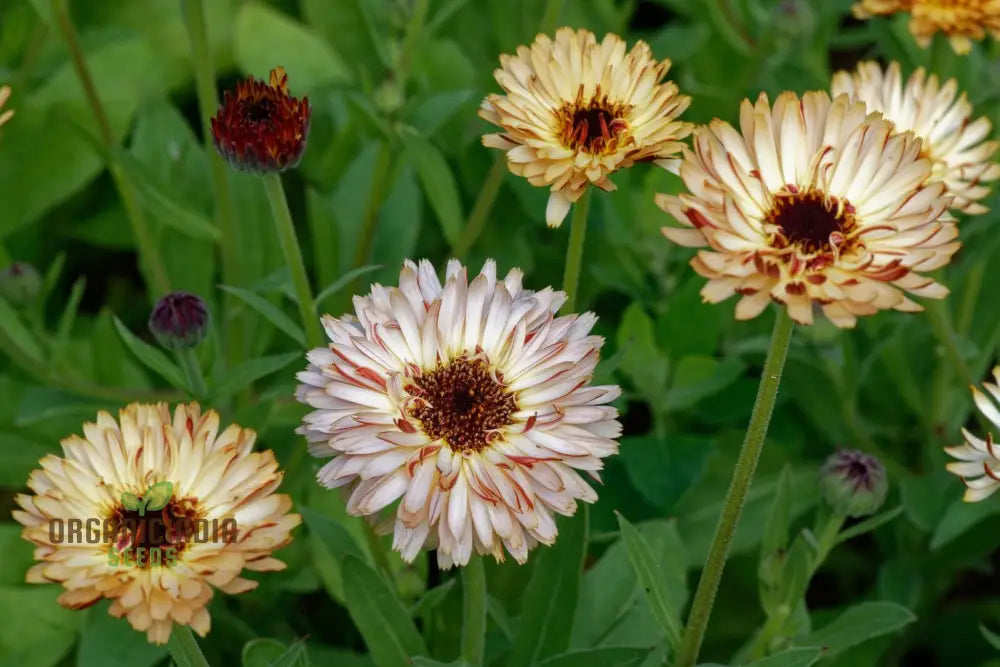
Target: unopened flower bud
[(179, 320), (20, 283), (853, 483)]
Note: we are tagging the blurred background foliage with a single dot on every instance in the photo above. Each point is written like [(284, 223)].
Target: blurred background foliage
[(394, 86)]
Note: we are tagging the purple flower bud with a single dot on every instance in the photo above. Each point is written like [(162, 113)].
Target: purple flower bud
[(179, 320), (853, 483), (20, 283)]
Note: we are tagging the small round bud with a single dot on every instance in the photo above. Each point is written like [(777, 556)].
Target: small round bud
[(179, 320), (20, 283), (853, 483)]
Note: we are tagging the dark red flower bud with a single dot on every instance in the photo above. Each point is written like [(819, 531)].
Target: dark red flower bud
[(853, 483), (179, 320), (260, 127)]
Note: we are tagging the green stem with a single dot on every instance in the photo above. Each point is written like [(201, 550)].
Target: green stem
[(208, 103), (192, 370), (550, 19), (369, 223), (157, 276), (746, 464), (293, 258), (411, 39), (574, 251), (482, 207), (184, 648), (474, 611)]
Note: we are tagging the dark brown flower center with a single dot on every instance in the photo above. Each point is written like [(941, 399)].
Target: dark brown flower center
[(259, 110), (594, 125), (810, 220), (463, 403), (149, 531)]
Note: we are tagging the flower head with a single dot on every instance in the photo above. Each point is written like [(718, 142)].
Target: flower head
[(961, 20), (816, 202), (577, 110), (260, 127), (853, 483), (179, 320), (20, 283), (941, 118), (467, 403), (979, 460), (154, 512), (4, 96)]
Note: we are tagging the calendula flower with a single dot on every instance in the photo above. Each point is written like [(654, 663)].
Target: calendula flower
[(260, 127), (467, 405), (577, 110), (979, 460), (154, 512), (4, 96), (942, 118), (816, 202), (961, 20)]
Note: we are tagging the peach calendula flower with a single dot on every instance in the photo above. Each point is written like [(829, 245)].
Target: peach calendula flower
[(940, 117), (260, 127), (154, 512), (961, 20), (577, 110), (816, 202), (462, 409), (979, 460), (4, 96)]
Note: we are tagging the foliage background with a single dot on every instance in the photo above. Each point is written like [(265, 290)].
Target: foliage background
[(689, 370)]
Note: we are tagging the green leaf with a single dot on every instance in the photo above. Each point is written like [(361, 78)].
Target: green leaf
[(663, 469), (294, 656), (869, 524), (261, 652), (992, 638), (551, 597), (17, 334), (438, 183), (330, 542), (268, 311), (157, 497), (383, 621), (643, 362), (246, 373), (151, 357), (66, 321), (602, 656), (266, 38), (430, 600), (106, 641), (960, 517), (39, 638), (793, 657), (40, 404), (130, 501), (653, 580), (697, 377), (857, 625), (343, 281), (774, 543)]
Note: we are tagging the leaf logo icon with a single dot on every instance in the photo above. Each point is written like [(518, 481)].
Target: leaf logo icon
[(130, 502), (157, 496)]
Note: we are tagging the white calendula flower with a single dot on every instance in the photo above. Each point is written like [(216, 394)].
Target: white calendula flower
[(979, 460), (812, 202), (467, 405), (962, 21), (154, 512), (577, 110), (950, 138)]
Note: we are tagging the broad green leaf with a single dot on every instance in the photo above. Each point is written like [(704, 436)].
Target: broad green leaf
[(383, 621), (793, 657), (437, 109), (643, 362), (602, 656), (992, 638), (859, 624), (774, 543), (432, 598), (17, 334), (663, 469), (261, 652), (17, 552), (106, 641), (438, 183), (869, 524), (697, 377), (355, 29), (551, 597), (653, 580), (266, 38), (330, 542), (151, 357), (40, 638), (960, 517), (41, 404), (268, 311), (246, 373)]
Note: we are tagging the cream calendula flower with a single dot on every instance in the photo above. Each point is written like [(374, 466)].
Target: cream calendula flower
[(979, 460), (940, 117), (961, 20), (154, 512), (577, 110), (463, 409), (816, 202), (4, 96)]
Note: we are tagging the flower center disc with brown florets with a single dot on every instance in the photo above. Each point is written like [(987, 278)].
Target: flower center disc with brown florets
[(260, 127), (170, 527)]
